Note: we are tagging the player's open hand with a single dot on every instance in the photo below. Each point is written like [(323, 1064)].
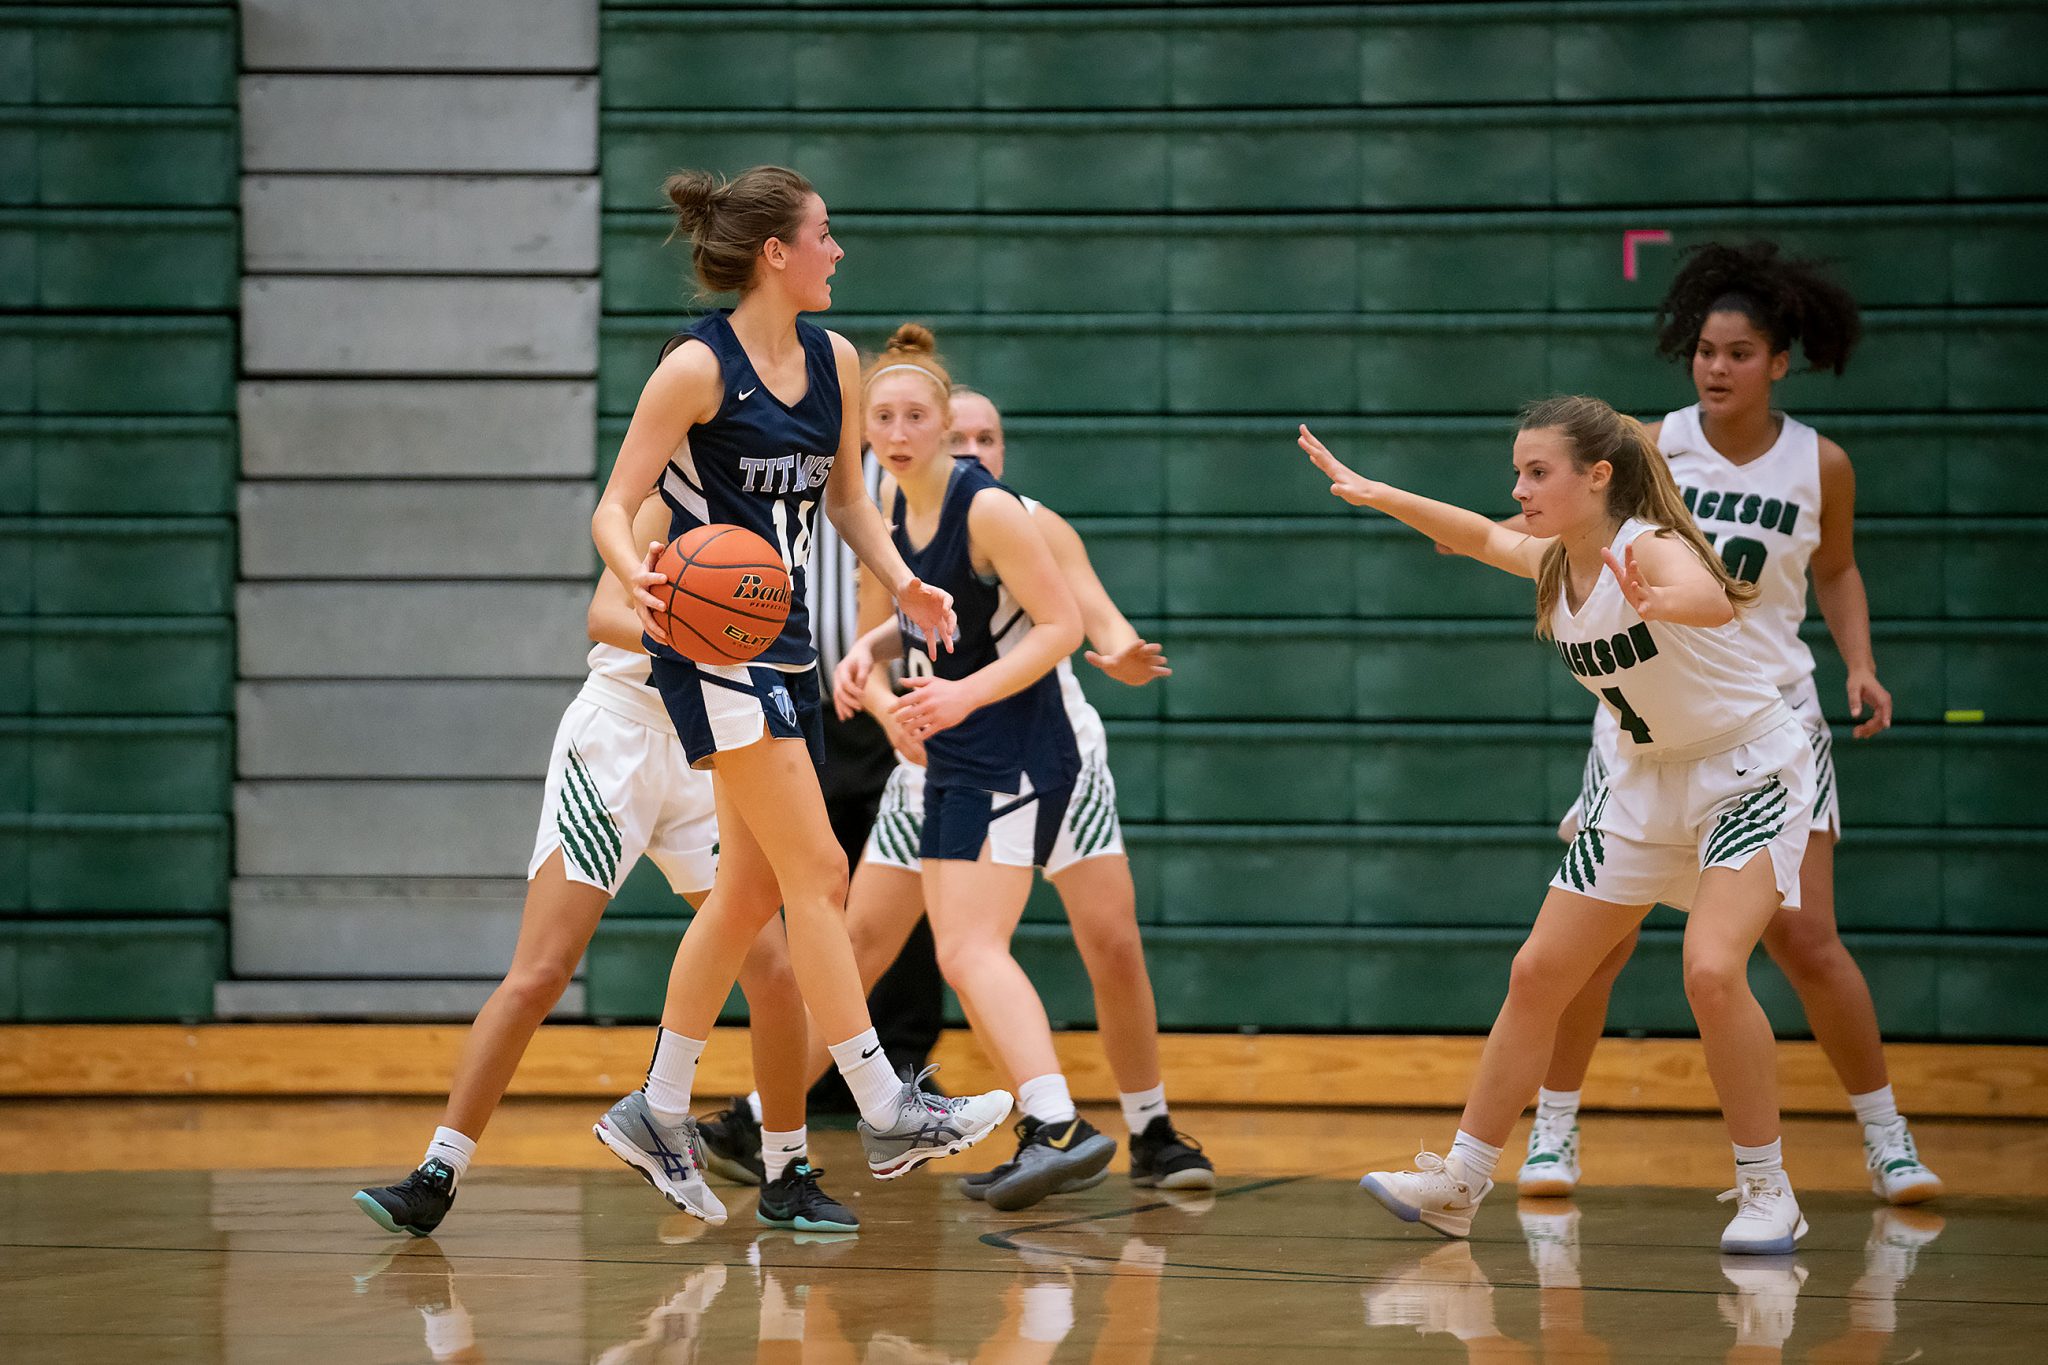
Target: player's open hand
[(1345, 482), (930, 609), (934, 704), (1864, 689), (1136, 664), (646, 605), (1640, 592), (896, 730), (850, 679)]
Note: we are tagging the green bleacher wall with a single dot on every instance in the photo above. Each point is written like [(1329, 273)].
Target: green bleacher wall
[(119, 272), (1159, 236)]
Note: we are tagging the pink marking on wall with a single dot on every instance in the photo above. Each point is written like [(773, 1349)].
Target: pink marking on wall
[(1632, 238)]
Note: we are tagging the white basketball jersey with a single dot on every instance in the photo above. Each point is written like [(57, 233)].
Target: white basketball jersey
[(1677, 691), (1764, 518), (618, 682)]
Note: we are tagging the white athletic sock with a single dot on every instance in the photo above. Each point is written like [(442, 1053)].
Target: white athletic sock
[(1475, 1156), (1768, 1159), (1557, 1104), (1877, 1106), (780, 1151), (671, 1074), (1045, 1098), (754, 1104), (453, 1148), (1142, 1106), (869, 1076), (1048, 1312)]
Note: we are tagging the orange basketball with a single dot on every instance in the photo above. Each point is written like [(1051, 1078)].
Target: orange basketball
[(728, 594)]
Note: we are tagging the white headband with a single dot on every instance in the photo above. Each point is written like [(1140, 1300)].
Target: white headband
[(906, 365)]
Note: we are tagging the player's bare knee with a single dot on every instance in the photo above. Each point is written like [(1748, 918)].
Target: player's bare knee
[(1715, 981), (962, 959), (768, 981), (1114, 951), (819, 879), (1810, 957), (535, 989), (1534, 981)]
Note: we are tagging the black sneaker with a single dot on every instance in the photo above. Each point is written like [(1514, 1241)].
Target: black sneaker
[(732, 1143), (1049, 1157), (795, 1201), (975, 1186), (416, 1204), (1164, 1159)]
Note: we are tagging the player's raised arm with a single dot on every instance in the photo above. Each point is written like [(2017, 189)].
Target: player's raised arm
[(1115, 645), (1463, 532), (1665, 581)]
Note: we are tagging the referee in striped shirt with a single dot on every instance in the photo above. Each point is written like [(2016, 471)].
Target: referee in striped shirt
[(907, 1004)]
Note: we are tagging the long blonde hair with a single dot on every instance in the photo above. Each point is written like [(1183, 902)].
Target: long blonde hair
[(1641, 487)]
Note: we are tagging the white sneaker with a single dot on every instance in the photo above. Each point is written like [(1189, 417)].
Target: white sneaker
[(1896, 1173), (1552, 1232), (1890, 1255), (1437, 1193), (1445, 1291), (1767, 1220), (1551, 1170), (1766, 1298)]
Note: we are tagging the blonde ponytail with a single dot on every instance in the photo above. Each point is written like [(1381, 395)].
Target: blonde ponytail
[(1641, 488)]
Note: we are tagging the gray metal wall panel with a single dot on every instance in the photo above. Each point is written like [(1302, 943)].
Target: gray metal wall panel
[(417, 529), (484, 428), (419, 123), (411, 630), (408, 35), (397, 729), (424, 1001), (339, 324), (388, 829), (472, 225), (384, 926)]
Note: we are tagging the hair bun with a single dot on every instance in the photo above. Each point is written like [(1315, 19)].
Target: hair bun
[(694, 194), (914, 336)]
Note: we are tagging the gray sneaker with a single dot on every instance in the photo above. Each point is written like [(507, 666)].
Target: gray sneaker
[(928, 1125), (1050, 1157), (975, 1185), (669, 1158)]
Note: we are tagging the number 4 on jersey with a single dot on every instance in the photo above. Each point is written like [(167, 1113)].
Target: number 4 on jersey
[(1638, 729)]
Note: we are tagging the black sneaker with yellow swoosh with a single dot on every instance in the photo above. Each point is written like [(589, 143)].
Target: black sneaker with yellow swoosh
[(1051, 1157)]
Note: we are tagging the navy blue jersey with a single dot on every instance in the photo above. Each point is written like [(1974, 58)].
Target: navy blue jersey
[(760, 465), (1026, 733)]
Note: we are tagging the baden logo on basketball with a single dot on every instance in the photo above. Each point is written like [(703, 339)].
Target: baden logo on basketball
[(751, 588)]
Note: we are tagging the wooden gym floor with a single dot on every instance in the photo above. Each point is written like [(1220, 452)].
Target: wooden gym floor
[(198, 1229)]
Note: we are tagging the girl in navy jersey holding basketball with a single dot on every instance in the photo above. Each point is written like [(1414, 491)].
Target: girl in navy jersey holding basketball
[(1708, 809), (746, 422), (617, 788), (1778, 500)]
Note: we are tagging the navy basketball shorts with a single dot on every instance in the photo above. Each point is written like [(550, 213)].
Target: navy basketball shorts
[(1018, 831), (717, 707)]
